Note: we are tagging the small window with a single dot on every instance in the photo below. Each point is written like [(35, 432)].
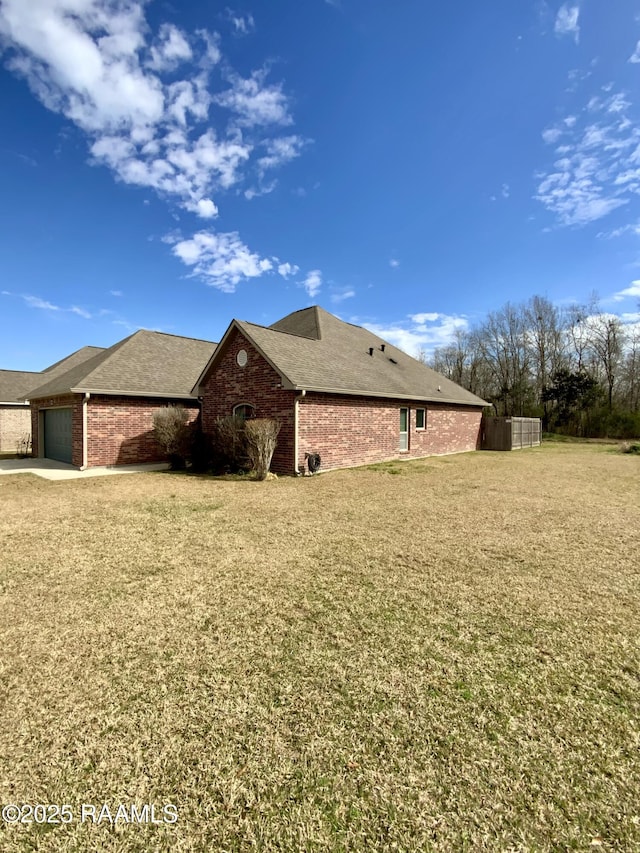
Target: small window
[(245, 411), (421, 419)]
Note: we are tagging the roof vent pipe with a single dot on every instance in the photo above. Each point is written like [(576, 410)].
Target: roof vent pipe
[(370, 350)]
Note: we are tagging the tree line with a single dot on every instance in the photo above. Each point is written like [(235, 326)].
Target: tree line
[(577, 368)]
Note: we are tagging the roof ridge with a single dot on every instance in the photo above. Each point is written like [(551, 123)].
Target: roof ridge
[(173, 335), (316, 311), (71, 354), (277, 331)]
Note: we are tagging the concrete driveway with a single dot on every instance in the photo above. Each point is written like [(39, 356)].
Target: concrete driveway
[(52, 470)]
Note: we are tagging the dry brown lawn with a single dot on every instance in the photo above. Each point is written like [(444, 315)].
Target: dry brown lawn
[(437, 655)]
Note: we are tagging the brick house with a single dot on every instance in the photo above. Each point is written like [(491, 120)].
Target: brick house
[(15, 387), (100, 412), (337, 390)]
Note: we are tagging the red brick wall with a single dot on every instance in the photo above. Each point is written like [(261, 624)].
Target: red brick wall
[(73, 401), (120, 430), (15, 421), (255, 383), (348, 431)]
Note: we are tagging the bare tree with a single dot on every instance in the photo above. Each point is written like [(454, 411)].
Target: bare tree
[(503, 344), (606, 340), (262, 437), (545, 344), (630, 372)]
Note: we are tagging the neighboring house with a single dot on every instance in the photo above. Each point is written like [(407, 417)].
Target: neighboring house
[(100, 412), (337, 390), (15, 386), (15, 415)]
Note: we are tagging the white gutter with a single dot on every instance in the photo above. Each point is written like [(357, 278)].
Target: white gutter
[(295, 430), (114, 392), (391, 395), (85, 440)]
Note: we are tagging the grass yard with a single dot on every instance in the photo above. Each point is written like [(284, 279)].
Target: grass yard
[(436, 655)]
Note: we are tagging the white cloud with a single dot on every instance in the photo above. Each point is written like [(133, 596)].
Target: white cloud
[(170, 50), (142, 98), (421, 319), (313, 282), (631, 228), (36, 302), (222, 260), (631, 292), (45, 305), (551, 135), (597, 169), (285, 270), (262, 189), (340, 297), (567, 21), (394, 263), (280, 151), (635, 56), (421, 332), (243, 24), (115, 292), (253, 102), (204, 207), (81, 312), (505, 191)]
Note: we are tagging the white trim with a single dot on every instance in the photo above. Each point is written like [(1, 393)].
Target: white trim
[(406, 432), (296, 437), (111, 392), (424, 419), (85, 436), (390, 395)]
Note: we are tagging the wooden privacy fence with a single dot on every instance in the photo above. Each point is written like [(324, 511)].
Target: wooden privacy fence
[(510, 433)]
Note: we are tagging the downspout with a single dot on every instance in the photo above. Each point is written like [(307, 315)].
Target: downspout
[(85, 439), (296, 457)]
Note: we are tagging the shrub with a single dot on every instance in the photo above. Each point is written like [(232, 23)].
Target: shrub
[(23, 445), (262, 438), (628, 447), (174, 434), (229, 445)]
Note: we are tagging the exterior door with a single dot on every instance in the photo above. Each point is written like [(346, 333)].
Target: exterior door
[(404, 429), (57, 434)]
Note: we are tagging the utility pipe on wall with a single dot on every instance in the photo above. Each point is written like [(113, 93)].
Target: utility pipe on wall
[(296, 459)]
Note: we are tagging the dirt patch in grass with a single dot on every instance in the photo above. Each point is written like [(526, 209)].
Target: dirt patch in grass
[(446, 659)]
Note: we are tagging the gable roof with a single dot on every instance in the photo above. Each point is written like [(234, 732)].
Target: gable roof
[(316, 351), (146, 364), (15, 385)]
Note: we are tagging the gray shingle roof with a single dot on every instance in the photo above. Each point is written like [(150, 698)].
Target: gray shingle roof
[(315, 350), (147, 364), (72, 360), (16, 385)]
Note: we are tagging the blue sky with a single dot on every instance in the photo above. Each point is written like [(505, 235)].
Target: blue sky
[(409, 166)]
